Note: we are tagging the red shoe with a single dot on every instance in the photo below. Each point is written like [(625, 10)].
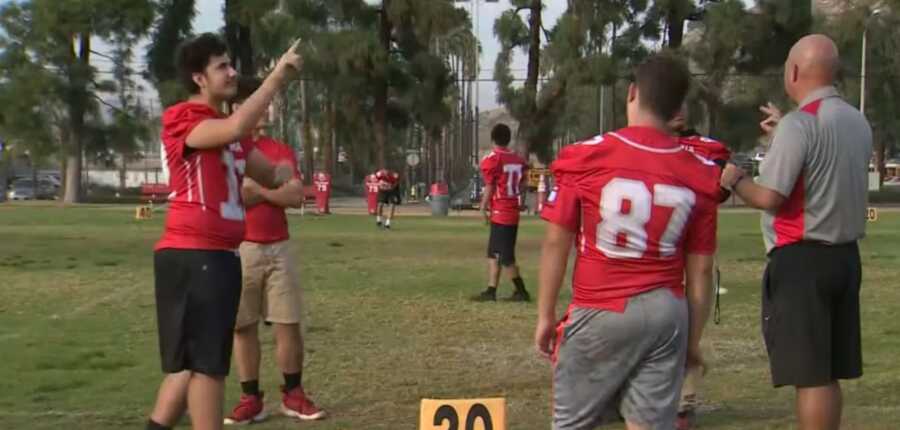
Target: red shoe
[(295, 404), (685, 420), (250, 409)]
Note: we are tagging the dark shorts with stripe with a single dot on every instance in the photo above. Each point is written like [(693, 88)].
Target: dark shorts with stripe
[(502, 243), (389, 197), (197, 297), (810, 313)]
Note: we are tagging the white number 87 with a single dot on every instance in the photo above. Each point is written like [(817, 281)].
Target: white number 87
[(633, 224)]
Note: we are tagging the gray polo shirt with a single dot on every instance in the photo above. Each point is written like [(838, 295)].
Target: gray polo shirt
[(819, 160)]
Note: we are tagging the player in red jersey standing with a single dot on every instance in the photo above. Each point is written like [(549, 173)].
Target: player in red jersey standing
[(388, 194), (503, 172), (372, 193), (718, 153), (196, 266), (641, 212), (271, 289)]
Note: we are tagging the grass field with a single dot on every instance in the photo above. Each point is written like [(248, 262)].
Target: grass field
[(388, 324)]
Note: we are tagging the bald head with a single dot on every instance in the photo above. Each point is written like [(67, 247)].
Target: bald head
[(812, 63)]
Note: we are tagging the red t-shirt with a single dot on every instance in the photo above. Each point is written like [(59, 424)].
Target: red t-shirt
[(705, 147), (371, 183), (638, 203), (387, 179), (205, 208), (505, 170), (266, 222)]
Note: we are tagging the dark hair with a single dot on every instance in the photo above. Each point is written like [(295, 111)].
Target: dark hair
[(500, 134), (247, 85), (193, 55), (663, 82)]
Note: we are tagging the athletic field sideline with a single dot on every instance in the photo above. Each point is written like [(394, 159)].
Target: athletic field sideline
[(388, 323)]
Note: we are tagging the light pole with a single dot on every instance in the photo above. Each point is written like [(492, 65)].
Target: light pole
[(862, 73)]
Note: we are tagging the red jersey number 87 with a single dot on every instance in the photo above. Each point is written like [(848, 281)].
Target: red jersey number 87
[(632, 224)]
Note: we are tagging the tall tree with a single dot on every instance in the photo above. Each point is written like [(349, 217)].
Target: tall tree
[(878, 19), (59, 39), (172, 27)]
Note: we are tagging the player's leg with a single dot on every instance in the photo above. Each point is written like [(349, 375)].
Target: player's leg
[(247, 355), (284, 308), (172, 276), (595, 355), (206, 397), (379, 208), (394, 201), (493, 269), (507, 258), (687, 405), (650, 396), (819, 408), (210, 320), (171, 401)]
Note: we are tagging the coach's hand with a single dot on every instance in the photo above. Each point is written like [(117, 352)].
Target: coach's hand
[(773, 117), (731, 175), (545, 337)]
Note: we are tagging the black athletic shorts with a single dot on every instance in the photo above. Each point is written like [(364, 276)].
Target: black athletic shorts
[(502, 243), (197, 296), (389, 197), (810, 313)]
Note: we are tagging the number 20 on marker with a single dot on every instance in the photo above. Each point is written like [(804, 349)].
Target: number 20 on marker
[(472, 414)]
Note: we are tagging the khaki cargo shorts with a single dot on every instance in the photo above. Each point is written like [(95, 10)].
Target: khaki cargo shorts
[(271, 288)]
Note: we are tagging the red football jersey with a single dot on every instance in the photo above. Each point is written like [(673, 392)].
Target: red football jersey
[(266, 222), (322, 181), (205, 208), (387, 179), (371, 183), (505, 170), (638, 203), (705, 147)]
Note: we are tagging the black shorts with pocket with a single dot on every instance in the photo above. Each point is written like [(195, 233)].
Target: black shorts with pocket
[(197, 297), (810, 313), (502, 243), (389, 197)]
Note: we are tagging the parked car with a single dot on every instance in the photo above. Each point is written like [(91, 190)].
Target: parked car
[(24, 189), (892, 181)]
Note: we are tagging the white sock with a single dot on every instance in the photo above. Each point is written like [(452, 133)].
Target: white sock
[(388, 222), (378, 219)]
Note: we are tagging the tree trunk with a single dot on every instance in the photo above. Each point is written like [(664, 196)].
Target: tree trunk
[(878, 147), (77, 100), (381, 89), (123, 173), (238, 37), (306, 136), (327, 131)]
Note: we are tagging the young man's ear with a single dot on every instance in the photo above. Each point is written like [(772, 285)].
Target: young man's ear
[(199, 79), (632, 92)]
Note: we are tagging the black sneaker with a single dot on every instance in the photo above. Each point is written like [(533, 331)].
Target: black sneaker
[(387, 226), (485, 296), (378, 224), (519, 296)]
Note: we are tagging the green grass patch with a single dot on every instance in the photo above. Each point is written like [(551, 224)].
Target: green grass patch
[(387, 324)]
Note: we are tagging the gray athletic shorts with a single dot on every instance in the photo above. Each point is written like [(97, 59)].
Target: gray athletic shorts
[(627, 365)]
